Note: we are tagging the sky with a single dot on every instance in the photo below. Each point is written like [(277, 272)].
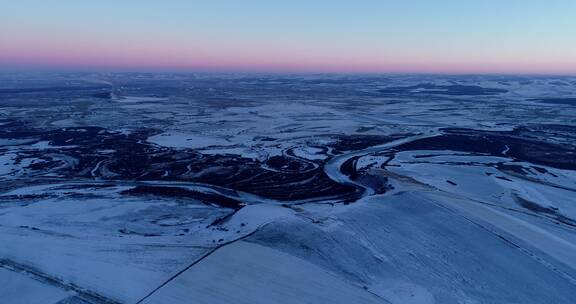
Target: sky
[(343, 36)]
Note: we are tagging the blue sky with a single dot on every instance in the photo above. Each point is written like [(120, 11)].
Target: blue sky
[(372, 36)]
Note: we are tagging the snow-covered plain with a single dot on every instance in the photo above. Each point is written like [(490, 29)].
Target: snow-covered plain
[(288, 189)]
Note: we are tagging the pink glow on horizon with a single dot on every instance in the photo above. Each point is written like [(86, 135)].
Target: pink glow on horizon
[(124, 55), (449, 36)]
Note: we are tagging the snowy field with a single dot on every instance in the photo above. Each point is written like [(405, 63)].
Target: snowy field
[(129, 188)]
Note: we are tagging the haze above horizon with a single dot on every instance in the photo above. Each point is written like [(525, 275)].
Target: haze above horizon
[(450, 36)]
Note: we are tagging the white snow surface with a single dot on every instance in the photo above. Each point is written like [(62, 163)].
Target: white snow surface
[(246, 273), (16, 288)]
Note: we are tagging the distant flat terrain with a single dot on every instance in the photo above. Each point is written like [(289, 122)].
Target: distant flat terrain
[(230, 188)]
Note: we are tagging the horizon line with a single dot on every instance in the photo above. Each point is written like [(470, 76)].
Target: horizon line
[(143, 70)]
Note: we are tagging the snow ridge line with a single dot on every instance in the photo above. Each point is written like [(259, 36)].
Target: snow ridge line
[(40, 276), (205, 255)]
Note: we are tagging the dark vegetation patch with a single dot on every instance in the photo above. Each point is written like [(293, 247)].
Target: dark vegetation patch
[(549, 211), (533, 206), (432, 89), (55, 89), (349, 167), (86, 186), (378, 182), (359, 142), (103, 95), (523, 143), (178, 192), (75, 155), (288, 164), (504, 178), (571, 101)]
